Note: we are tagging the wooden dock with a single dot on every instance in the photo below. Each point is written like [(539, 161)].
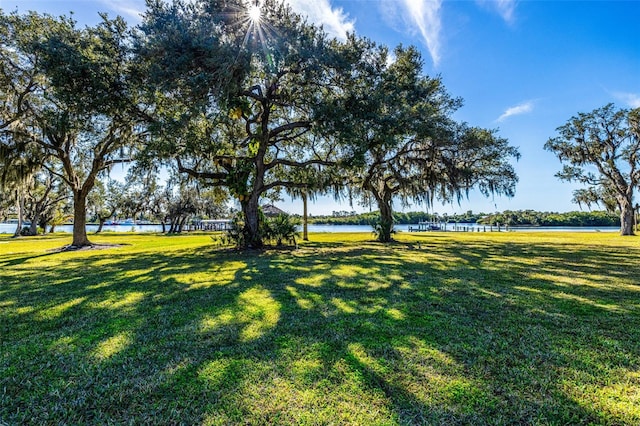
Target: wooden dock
[(210, 225), (456, 227)]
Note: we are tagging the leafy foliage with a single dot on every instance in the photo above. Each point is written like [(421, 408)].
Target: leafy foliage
[(283, 227), (248, 107), (508, 217), (533, 218)]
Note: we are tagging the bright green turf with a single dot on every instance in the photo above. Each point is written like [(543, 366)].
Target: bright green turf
[(508, 328)]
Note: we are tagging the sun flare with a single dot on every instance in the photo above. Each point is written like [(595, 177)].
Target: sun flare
[(254, 17), (254, 13)]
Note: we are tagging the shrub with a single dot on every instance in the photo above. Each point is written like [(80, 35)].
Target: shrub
[(283, 227)]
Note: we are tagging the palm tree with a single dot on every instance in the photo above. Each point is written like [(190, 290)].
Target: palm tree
[(283, 228), (303, 193)]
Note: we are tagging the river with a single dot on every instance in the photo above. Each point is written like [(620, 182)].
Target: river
[(9, 228)]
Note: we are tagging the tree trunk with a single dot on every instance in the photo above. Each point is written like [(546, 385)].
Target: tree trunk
[(386, 220), (80, 219), (626, 217), (251, 230), (20, 207), (43, 224), (181, 224), (305, 234), (101, 222), (33, 228), (102, 219)]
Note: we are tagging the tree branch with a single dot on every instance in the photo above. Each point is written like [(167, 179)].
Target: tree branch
[(290, 163), (200, 175), (288, 127)]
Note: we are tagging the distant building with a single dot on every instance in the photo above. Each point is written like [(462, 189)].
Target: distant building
[(271, 210)]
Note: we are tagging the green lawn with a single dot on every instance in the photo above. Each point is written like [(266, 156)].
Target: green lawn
[(508, 328)]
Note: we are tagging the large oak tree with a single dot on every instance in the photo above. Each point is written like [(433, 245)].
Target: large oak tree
[(71, 96), (237, 97), (601, 149), (411, 150)]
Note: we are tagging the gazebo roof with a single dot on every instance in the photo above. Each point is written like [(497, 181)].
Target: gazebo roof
[(271, 210)]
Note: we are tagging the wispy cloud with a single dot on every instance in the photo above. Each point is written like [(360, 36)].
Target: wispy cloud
[(423, 18), (417, 17), (127, 8), (334, 21), (425, 14), (505, 8), (631, 99), (523, 108)]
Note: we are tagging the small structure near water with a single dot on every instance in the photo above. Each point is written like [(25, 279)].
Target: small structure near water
[(456, 227), (428, 226), (270, 210), (210, 225)]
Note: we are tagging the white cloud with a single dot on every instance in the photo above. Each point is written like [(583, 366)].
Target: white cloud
[(523, 108), (334, 21), (416, 17), (505, 8), (426, 15), (631, 99), (423, 17), (127, 8)]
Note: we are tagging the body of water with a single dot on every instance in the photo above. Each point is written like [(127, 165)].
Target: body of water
[(468, 227), (9, 228)]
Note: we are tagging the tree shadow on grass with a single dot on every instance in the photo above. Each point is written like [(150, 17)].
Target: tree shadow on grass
[(337, 333), (18, 260)]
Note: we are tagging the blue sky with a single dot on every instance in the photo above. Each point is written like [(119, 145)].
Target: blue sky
[(522, 67)]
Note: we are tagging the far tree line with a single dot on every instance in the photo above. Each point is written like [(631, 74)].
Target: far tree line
[(252, 107), (508, 217)]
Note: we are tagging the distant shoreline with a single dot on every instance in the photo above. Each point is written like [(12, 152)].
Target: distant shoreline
[(9, 228)]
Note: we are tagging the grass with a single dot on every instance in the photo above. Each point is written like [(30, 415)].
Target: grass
[(508, 328)]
